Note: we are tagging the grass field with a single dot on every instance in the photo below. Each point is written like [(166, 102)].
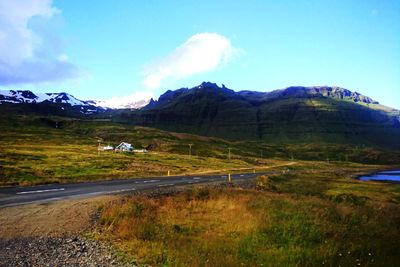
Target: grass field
[(318, 216), (313, 215), (33, 151)]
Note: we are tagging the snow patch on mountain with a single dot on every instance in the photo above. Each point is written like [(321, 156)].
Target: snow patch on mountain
[(25, 96), (135, 101)]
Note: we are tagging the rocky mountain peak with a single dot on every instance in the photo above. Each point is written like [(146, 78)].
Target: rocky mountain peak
[(322, 91)]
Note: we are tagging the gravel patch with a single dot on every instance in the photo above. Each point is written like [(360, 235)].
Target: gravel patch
[(57, 251)]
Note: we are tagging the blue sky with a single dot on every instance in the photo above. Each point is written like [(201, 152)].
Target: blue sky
[(101, 49)]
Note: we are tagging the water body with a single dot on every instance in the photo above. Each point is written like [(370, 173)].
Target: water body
[(393, 175)]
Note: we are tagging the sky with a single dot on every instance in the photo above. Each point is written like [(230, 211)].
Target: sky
[(139, 49)]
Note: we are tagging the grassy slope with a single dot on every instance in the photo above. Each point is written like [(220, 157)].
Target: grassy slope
[(33, 151), (305, 218), (281, 121), (310, 218)]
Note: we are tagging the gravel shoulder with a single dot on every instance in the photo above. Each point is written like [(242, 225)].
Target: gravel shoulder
[(59, 218), (50, 234), (57, 251)]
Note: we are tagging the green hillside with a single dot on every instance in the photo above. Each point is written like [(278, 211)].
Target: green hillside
[(51, 142), (285, 118), (40, 148)]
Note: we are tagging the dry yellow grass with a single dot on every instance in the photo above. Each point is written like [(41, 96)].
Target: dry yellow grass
[(307, 218), (144, 225)]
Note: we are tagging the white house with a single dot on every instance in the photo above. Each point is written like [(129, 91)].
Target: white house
[(124, 147)]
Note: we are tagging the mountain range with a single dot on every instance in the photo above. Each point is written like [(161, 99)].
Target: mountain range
[(26, 96), (292, 115)]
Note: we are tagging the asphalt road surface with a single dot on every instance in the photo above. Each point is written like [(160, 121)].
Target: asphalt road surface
[(13, 196)]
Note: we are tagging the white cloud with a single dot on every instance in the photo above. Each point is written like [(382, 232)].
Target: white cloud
[(200, 53), (25, 56), (17, 41)]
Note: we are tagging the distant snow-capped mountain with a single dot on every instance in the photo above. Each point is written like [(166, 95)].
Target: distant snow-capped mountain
[(25, 96)]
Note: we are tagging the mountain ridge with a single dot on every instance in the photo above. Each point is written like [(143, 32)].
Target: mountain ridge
[(295, 114), (292, 91), (27, 96), (292, 115)]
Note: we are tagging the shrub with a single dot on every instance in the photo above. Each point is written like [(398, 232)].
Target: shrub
[(202, 193), (264, 183), (350, 198)]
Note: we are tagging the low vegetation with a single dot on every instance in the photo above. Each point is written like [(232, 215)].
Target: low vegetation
[(44, 149), (33, 150), (305, 218), (311, 213)]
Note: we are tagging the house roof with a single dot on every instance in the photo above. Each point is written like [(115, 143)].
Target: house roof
[(124, 144)]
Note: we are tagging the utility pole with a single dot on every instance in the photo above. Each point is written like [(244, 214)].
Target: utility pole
[(229, 154), (190, 150), (98, 148)]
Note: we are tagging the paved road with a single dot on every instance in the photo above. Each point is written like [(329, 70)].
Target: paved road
[(13, 196)]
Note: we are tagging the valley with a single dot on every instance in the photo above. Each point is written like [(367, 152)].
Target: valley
[(57, 141), (199, 133), (34, 151), (301, 203)]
